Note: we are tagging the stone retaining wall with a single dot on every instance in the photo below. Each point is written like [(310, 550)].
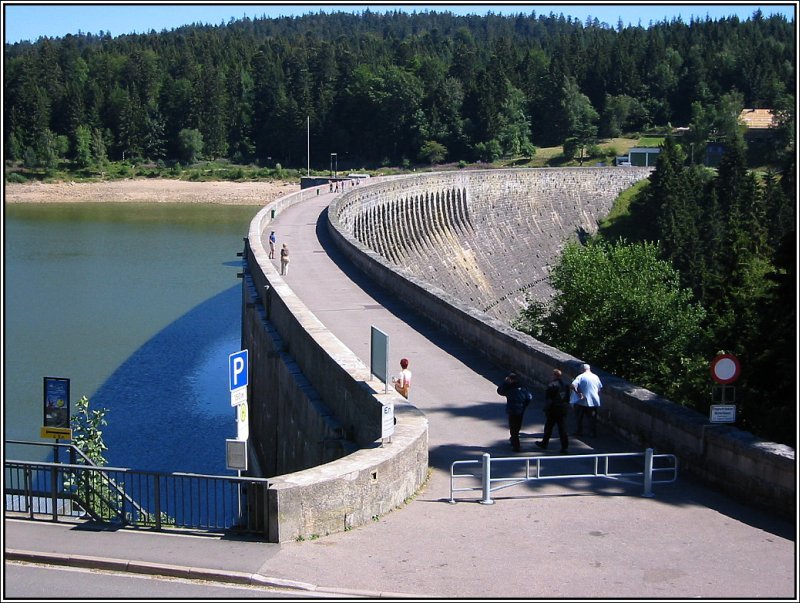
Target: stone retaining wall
[(423, 237)]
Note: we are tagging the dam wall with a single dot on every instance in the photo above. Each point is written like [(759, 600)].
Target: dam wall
[(489, 236), (461, 248), (315, 419)]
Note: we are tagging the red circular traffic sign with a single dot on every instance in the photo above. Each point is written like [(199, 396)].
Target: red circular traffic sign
[(725, 368)]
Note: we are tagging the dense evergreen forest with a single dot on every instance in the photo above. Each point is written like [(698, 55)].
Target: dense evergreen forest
[(384, 88), (704, 261)]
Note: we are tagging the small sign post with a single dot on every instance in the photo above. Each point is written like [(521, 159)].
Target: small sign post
[(725, 369), (237, 377), (56, 406), (236, 450), (387, 421)]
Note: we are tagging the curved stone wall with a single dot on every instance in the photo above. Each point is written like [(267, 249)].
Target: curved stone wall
[(406, 234), (315, 420), (488, 237)]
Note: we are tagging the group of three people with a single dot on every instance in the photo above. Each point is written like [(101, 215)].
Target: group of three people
[(583, 393)]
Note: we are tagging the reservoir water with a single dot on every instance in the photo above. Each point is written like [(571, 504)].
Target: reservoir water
[(139, 305)]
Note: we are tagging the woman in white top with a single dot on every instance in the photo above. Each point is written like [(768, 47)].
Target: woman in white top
[(402, 383)]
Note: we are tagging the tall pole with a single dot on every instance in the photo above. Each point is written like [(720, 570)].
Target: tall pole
[(308, 144)]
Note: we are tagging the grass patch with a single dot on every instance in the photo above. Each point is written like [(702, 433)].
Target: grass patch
[(619, 223), (650, 141)]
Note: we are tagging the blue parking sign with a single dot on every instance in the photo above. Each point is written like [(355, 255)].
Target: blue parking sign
[(237, 370)]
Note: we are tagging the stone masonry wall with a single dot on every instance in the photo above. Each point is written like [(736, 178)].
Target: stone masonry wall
[(489, 236)]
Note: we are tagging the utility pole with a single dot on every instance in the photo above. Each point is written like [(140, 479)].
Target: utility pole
[(308, 144)]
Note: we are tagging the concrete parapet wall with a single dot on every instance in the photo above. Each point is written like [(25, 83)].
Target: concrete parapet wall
[(315, 420), (760, 473)]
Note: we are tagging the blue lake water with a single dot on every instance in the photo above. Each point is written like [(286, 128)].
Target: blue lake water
[(139, 305)]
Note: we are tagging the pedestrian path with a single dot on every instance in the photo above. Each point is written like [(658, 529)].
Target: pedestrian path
[(577, 538), (468, 549)]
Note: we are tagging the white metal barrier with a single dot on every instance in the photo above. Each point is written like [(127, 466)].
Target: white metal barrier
[(535, 469)]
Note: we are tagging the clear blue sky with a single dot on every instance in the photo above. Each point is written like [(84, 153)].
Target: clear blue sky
[(30, 20)]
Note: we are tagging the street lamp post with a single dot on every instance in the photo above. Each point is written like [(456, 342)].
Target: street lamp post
[(334, 158)]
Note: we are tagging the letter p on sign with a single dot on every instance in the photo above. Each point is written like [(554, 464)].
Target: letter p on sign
[(237, 370)]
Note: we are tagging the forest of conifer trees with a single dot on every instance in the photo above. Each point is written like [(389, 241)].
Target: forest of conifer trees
[(381, 88), (398, 88)]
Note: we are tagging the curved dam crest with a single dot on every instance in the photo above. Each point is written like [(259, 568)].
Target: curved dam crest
[(488, 238), (528, 215)]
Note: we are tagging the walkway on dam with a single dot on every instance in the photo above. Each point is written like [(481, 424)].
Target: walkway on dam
[(572, 538), (578, 539)]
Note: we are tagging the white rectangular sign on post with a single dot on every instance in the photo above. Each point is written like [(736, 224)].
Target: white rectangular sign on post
[(387, 420), (239, 396), (242, 422), (722, 413)]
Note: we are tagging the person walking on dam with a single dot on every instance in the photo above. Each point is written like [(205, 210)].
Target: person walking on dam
[(556, 409), (587, 385), (284, 260), (517, 400), (272, 240)]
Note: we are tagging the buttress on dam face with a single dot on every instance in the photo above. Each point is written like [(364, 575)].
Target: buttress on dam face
[(486, 237)]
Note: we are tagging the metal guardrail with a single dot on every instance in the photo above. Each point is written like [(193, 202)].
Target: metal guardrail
[(534, 468), (145, 499)]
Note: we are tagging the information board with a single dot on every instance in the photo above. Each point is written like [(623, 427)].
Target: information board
[(236, 455), (379, 355), (56, 409), (722, 413)]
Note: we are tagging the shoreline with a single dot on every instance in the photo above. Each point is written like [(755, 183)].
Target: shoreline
[(148, 190)]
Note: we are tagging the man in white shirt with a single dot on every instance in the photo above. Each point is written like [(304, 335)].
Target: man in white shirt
[(587, 386)]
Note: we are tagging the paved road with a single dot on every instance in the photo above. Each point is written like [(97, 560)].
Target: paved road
[(45, 582), (582, 539)]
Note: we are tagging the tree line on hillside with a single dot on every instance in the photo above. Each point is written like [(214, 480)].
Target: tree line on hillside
[(704, 263), (386, 88)]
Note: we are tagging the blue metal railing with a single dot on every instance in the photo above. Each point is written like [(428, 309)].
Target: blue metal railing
[(146, 499)]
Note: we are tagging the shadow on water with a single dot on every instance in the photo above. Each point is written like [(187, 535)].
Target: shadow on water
[(169, 402)]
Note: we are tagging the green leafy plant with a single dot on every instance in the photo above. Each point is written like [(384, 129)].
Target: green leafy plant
[(93, 490), (87, 431)]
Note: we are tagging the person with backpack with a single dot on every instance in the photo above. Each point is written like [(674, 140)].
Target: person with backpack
[(517, 400), (556, 409)]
